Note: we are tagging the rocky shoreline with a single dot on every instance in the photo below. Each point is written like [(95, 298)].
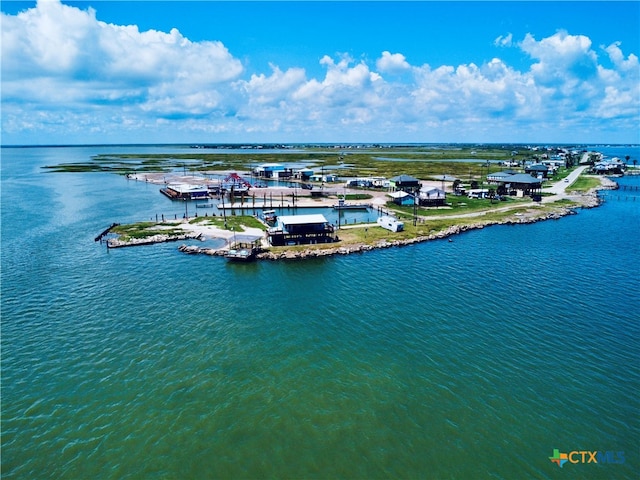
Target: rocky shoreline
[(589, 200), (159, 238), (444, 234)]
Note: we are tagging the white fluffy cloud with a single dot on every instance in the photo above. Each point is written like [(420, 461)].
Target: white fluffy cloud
[(69, 56), (389, 62), (66, 74)]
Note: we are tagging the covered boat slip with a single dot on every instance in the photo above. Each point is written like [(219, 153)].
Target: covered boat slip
[(241, 254), (243, 248), (300, 230)]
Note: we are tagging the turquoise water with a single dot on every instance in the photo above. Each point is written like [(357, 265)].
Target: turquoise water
[(466, 359)]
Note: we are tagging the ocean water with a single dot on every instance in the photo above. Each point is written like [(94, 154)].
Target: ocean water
[(467, 359)]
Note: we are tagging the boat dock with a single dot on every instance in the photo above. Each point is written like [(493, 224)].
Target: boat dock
[(352, 206), (270, 205)]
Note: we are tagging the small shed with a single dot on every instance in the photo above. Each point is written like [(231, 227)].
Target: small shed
[(327, 177), (304, 173), (402, 198)]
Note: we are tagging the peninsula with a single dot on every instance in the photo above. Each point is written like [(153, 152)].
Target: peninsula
[(471, 194)]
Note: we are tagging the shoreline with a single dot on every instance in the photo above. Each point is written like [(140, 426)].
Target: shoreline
[(198, 231), (317, 252), (586, 200)]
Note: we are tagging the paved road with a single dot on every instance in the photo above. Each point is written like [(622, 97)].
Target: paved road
[(559, 187)]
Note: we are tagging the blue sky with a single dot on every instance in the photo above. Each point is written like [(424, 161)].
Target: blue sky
[(205, 71)]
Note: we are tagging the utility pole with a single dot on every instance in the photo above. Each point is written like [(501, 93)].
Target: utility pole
[(224, 212)]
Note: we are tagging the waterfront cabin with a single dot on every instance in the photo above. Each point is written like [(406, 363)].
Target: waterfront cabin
[(402, 198), (431, 197), (185, 191), (271, 170), (520, 184), (390, 223), (405, 183), (326, 178), (301, 230)]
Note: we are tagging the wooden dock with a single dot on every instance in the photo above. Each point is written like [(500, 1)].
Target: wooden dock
[(105, 232)]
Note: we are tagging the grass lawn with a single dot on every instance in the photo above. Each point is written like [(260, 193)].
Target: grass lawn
[(584, 183)]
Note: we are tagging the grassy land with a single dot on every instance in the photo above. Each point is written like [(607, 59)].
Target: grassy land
[(435, 225), (145, 229), (142, 230), (421, 162), (370, 235), (457, 206), (584, 183), (358, 196)]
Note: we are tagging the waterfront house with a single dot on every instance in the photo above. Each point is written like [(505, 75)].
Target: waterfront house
[(520, 184), (537, 170), (431, 196), (405, 183), (497, 177), (402, 198), (609, 167), (300, 230)]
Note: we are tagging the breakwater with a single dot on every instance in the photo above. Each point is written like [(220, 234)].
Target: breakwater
[(159, 238)]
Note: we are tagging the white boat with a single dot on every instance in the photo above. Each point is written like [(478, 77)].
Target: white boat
[(269, 216)]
